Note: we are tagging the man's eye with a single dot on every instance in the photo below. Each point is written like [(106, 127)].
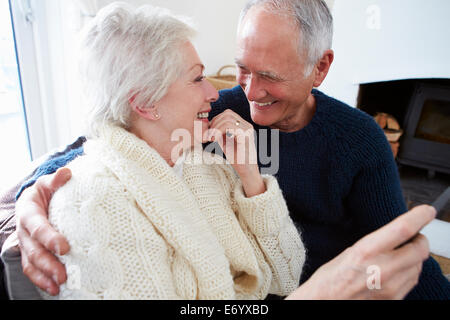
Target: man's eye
[(200, 79), (271, 78), (243, 70)]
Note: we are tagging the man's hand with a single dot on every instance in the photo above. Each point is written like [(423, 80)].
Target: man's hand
[(396, 250), (37, 239)]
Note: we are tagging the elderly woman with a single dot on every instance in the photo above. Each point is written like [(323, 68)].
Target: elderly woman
[(146, 216)]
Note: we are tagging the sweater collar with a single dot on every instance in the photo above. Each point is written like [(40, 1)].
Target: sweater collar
[(168, 203)]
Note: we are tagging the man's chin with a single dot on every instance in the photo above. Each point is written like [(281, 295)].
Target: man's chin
[(261, 119)]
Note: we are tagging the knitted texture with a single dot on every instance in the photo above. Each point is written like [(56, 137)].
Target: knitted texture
[(138, 231), (340, 182)]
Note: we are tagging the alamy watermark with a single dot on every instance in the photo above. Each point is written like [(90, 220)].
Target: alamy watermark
[(373, 21), (374, 280)]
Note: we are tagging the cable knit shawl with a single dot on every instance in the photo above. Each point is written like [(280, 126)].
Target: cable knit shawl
[(139, 231)]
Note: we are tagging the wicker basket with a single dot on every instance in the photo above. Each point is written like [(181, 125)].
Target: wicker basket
[(223, 81)]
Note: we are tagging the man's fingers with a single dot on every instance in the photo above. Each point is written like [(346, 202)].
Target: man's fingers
[(40, 259), (408, 257), (32, 215), (418, 247), (398, 287), (405, 281), (38, 278), (398, 231), (413, 253), (412, 279), (47, 185), (39, 228), (43, 232)]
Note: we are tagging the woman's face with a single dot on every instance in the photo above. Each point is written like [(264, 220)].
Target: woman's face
[(187, 102)]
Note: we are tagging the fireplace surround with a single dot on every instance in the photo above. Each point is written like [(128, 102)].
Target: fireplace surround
[(422, 106), (426, 142)]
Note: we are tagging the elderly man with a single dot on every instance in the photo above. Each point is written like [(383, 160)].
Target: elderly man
[(335, 167)]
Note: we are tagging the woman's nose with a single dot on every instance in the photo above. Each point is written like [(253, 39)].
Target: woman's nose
[(211, 93)]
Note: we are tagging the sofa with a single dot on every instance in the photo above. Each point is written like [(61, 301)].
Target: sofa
[(14, 285)]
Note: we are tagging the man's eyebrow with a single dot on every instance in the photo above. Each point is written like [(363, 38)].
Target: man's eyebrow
[(271, 75), (266, 74)]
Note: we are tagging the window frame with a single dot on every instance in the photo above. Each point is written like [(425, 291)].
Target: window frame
[(22, 22)]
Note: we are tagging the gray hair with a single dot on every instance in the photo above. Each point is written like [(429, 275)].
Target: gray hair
[(313, 19), (125, 51)]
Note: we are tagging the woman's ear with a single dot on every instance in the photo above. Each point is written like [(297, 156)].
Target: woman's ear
[(149, 113)]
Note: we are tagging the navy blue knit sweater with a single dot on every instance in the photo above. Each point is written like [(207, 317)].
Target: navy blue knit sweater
[(339, 179)]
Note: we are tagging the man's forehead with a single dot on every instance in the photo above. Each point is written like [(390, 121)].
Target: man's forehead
[(267, 51), (262, 19), (268, 59), (265, 31)]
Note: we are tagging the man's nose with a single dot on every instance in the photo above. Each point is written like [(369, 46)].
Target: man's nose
[(253, 89)]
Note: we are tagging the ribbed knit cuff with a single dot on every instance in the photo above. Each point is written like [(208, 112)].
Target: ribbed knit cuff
[(265, 212)]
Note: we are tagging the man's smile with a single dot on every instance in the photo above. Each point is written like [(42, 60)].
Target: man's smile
[(263, 105)]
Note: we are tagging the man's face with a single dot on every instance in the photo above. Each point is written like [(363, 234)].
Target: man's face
[(271, 71)]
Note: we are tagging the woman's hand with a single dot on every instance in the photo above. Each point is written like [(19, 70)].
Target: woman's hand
[(38, 240), (236, 137), (385, 264)]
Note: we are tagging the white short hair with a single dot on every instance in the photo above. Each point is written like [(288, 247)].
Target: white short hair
[(313, 19), (127, 50)]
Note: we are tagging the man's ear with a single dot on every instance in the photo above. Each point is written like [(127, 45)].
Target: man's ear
[(149, 113), (322, 67)]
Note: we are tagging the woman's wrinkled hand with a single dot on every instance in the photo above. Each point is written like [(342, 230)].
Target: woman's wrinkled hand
[(236, 137)]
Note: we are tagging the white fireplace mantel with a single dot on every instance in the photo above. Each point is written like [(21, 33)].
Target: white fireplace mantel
[(384, 40)]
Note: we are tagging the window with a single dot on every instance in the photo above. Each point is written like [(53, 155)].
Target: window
[(14, 141), (38, 96)]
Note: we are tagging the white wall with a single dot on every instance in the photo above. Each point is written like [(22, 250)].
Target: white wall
[(57, 22), (216, 22), (379, 40)]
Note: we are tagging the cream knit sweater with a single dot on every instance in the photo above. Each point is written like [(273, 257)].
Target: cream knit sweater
[(139, 231)]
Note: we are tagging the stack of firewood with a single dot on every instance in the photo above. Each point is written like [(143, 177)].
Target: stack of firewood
[(391, 129)]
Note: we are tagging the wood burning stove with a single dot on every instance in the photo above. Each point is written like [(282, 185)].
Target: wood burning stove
[(426, 141)]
